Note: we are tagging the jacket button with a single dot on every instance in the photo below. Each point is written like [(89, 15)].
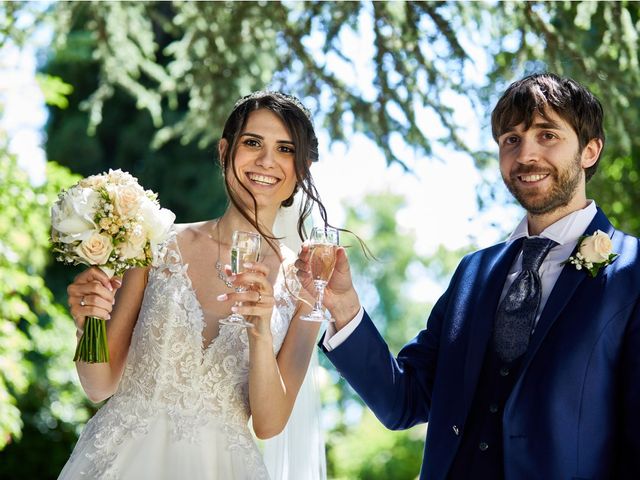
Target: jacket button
[(456, 430), (483, 446), (504, 371), (493, 408)]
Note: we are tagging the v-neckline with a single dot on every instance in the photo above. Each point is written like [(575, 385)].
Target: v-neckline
[(185, 272)]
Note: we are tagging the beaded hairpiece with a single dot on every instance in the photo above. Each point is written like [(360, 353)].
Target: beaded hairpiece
[(280, 95)]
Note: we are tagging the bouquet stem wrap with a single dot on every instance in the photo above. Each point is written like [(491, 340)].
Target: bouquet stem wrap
[(92, 347)]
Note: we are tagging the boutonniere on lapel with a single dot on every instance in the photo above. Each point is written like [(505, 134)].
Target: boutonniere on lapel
[(594, 252)]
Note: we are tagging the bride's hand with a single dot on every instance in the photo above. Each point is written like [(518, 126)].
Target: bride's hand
[(91, 294), (340, 296), (257, 302)]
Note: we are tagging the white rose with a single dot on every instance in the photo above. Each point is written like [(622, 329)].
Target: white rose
[(119, 177), (134, 246), (596, 248), (96, 249), (72, 215), (156, 221), (126, 199)]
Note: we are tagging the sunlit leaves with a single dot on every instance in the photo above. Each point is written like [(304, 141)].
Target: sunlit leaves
[(38, 388)]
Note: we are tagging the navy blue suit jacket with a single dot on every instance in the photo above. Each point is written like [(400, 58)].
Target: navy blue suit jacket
[(574, 412)]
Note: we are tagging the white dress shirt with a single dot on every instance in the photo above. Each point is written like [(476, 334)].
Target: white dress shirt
[(565, 232)]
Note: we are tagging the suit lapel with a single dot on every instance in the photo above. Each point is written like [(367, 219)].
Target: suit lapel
[(492, 282), (566, 285)]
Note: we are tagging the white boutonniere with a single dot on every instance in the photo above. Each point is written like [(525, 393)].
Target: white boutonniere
[(594, 252)]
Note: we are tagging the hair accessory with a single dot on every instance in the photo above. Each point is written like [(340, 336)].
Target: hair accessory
[(279, 95)]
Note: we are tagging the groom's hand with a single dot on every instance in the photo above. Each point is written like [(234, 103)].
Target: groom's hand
[(340, 296)]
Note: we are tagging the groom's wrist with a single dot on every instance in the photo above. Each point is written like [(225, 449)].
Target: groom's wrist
[(345, 310)]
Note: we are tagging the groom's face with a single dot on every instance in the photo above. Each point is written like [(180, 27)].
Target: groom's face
[(542, 166)]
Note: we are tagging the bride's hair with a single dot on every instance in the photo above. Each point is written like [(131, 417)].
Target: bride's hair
[(297, 120)]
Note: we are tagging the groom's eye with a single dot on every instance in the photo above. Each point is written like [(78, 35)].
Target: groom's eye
[(510, 140)]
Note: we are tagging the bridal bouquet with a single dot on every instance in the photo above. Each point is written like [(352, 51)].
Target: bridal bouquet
[(109, 221)]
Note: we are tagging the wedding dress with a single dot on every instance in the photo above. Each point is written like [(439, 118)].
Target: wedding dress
[(181, 409)]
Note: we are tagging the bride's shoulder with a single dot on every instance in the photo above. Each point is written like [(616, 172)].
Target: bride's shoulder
[(189, 235), (188, 232)]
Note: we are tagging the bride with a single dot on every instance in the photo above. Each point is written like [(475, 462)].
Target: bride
[(182, 386)]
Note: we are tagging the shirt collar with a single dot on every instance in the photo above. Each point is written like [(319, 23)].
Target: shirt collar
[(566, 230)]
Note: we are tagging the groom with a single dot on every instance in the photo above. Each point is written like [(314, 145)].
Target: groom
[(529, 365)]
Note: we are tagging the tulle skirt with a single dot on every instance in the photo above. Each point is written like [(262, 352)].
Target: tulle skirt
[(157, 454)]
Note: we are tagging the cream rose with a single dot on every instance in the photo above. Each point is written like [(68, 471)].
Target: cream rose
[(134, 246), (94, 182), (96, 249), (596, 248), (126, 199)]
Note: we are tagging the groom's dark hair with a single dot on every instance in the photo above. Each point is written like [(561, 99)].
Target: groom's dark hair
[(571, 101)]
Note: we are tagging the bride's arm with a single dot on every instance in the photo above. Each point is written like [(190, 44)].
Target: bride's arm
[(100, 380), (274, 383)]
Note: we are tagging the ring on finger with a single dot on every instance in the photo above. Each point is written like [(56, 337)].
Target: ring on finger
[(259, 297), (82, 302)]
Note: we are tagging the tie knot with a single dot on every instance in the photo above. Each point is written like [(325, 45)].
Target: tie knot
[(534, 250)]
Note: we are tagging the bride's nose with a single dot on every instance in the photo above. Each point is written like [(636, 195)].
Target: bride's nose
[(266, 159)]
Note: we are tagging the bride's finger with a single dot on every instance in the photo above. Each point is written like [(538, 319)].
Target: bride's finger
[(96, 289), (91, 275), (80, 310), (255, 297), (248, 309), (251, 281), (305, 252), (257, 267)]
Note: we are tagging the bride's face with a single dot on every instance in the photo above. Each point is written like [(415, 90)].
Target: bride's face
[(264, 161)]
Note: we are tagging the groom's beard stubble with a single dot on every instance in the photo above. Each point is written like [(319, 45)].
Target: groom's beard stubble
[(565, 183)]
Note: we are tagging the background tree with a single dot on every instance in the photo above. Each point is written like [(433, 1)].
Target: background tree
[(210, 53), (41, 405), (187, 177), (186, 62)]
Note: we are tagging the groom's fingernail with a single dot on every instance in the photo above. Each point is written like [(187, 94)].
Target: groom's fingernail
[(234, 309), (222, 297)]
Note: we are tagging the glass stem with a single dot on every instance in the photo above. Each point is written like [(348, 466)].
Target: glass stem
[(319, 296)]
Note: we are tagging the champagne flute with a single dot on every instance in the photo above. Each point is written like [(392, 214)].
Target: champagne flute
[(323, 245), (245, 247)]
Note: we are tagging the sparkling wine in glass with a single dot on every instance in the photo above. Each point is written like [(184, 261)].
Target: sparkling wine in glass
[(245, 247), (324, 242)]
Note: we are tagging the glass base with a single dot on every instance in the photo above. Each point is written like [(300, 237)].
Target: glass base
[(237, 320), (316, 316)]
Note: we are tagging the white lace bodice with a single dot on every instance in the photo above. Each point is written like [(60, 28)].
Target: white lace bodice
[(169, 372)]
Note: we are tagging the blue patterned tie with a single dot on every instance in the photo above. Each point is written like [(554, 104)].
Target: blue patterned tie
[(517, 311)]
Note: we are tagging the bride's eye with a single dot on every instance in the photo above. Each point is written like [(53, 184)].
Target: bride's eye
[(250, 142), (287, 149)]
